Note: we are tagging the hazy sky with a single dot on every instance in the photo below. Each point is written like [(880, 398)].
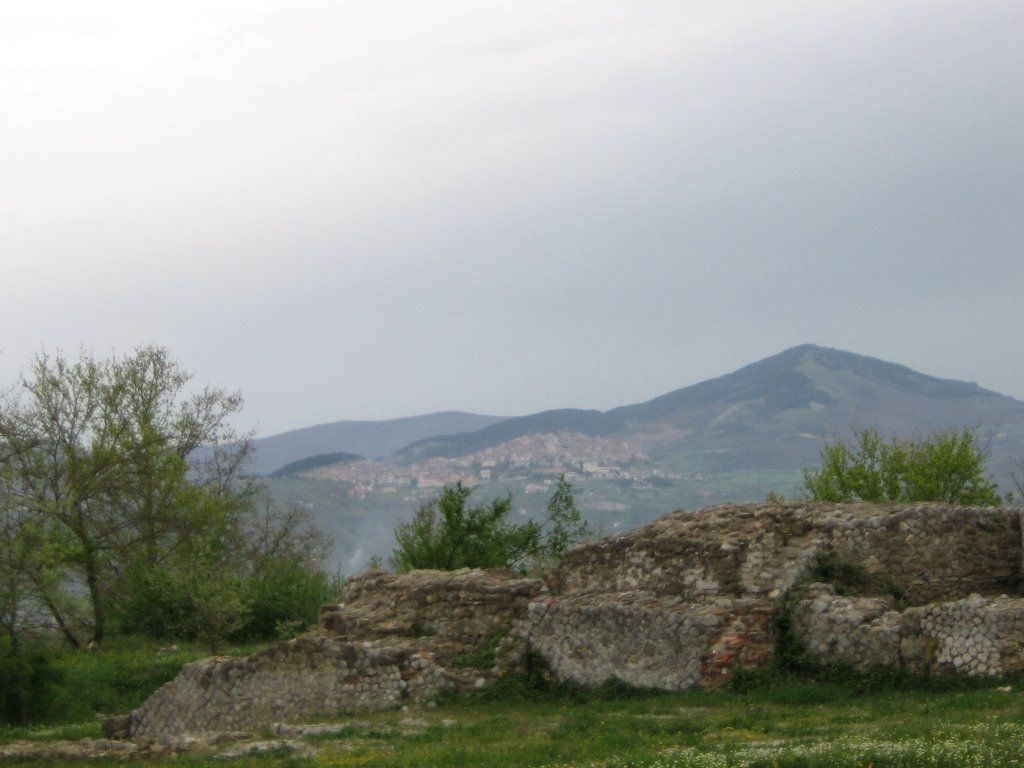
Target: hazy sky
[(371, 209)]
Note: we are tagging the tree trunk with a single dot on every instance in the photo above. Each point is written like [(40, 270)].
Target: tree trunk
[(65, 630), (96, 598)]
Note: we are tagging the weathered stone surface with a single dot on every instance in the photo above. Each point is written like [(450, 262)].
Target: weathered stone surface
[(859, 631), (463, 607), (977, 636), (635, 638), (931, 551), (307, 677), (392, 641), (680, 602)]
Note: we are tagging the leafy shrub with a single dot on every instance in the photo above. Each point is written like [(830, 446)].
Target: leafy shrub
[(155, 604), (447, 534), (946, 466), (283, 598)]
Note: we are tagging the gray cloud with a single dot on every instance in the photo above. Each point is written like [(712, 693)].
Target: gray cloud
[(373, 210)]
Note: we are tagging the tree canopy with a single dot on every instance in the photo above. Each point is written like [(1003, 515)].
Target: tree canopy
[(447, 534), (124, 504), (945, 466)]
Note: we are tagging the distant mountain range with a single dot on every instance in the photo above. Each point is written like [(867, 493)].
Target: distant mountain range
[(370, 439), (732, 438), (806, 392)]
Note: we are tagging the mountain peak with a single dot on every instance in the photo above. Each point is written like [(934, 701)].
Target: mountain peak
[(801, 377), (879, 372)]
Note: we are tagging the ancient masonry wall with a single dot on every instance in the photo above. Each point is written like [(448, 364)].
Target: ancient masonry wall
[(582, 639), (976, 636), (932, 552), (294, 681), (707, 567), (680, 602), (645, 641), (458, 608), (392, 641)]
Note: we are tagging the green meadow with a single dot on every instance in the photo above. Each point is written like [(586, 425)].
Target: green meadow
[(763, 720)]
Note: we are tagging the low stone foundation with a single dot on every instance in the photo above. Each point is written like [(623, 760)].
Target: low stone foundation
[(458, 609)]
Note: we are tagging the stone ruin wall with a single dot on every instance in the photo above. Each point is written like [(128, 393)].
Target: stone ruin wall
[(458, 608), (391, 642), (645, 641), (976, 636), (305, 678), (680, 602), (582, 639), (719, 576), (933, 552)]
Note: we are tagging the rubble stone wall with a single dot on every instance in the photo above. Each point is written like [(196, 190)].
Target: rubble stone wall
[(393, 640), (976, 636), (462, 606), (682, 601), (861, 632), (933, 552), (303, 678), (643, 641)]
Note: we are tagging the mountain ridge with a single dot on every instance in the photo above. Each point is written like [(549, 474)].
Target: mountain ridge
[(830, 386), (806, 376), (373, 439)]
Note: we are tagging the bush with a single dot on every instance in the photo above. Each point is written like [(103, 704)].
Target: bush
[(155, 604), (946, 466), (446, 535), (284, 597)]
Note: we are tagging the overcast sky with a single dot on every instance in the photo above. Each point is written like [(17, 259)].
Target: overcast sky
[(371, 209)]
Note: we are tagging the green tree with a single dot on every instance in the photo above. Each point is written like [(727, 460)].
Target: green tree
[(946, 466), (284, 582), (125, 506), (99, 451), (447, 534), (564, 524)]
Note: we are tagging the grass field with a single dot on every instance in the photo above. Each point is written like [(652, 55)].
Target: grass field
[(855, 721)]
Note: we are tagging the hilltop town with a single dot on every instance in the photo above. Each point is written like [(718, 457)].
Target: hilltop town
[(532, 462)]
